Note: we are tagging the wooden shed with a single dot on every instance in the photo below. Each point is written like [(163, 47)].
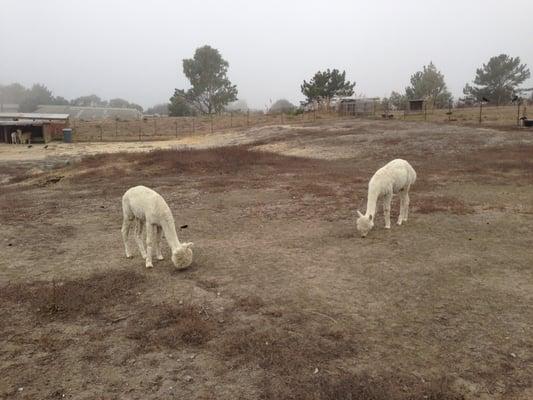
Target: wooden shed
[(416, 105), (43, 127)]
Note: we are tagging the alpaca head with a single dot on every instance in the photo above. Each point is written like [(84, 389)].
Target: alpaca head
[(364, 223), (182, 257)]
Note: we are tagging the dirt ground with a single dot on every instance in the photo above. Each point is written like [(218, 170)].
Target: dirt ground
[(283, 300)]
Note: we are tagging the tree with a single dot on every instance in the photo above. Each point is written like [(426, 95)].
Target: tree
[(429, 84), (282, 106), (60, 101), (161, 109), (38, 94), (89, 101), (179, 106), (121, 103), (14, 93), (397, 100), (211, 89), (326, 85), (498, 80)]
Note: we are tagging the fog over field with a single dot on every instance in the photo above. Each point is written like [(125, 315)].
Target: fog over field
[(133, 49)]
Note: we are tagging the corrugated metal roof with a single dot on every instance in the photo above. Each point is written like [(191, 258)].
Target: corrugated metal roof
[(88, 113), (31, 116), (22, 122)]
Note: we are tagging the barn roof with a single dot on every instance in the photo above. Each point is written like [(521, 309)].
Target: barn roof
[(32, 116), (89, 113)]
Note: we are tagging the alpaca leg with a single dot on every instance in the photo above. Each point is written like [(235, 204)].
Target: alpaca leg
[(126, 226), (139, 230), (150, 238), (406, 206), (386, 209), (158, 237), (401, 217)]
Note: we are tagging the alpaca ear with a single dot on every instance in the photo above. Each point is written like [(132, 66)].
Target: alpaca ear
[(188, 244), (359, 213)]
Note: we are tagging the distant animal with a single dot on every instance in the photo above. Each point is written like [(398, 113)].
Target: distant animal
[(14, 137), (145, 209), (24, 137), (395, 177)]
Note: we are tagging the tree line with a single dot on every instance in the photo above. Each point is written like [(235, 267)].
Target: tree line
[(29, 99), (497, 81)]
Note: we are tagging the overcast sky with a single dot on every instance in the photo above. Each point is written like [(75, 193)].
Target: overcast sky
[(133, 49)]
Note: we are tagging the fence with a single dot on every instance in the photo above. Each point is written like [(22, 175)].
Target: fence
[(161, 128), (491, 116), (156, 128)]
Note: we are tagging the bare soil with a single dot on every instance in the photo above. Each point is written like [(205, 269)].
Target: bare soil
[(283, 300)]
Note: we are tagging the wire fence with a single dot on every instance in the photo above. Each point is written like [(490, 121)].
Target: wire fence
[(162, 128)]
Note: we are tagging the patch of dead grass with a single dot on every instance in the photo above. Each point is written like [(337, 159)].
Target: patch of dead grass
[(428, 204), (168, 326), (70, 299)]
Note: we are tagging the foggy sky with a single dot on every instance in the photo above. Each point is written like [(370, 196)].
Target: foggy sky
[(133, 49)]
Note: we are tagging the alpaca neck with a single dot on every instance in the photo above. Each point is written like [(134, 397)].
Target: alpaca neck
[(170, 233), (371, 202)]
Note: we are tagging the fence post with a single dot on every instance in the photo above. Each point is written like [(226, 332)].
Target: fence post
[(176, 122), (231, 119), (211, 120), (248, 118), (101, 133), (425, 111), (116, 128), (314, 114), (193, 124), (141, 131), (480, 110), (155, 126)]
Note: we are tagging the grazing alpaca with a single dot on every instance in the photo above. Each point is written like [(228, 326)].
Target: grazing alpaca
[(14, 137), (148, 211), (395, 177), (23, 137)]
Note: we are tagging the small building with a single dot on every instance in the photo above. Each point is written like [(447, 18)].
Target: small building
[(363, 106), (43, 127), (92, 113), (416, 105)]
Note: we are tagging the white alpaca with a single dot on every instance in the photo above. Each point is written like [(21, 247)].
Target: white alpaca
[(23, 137), (147, 210), (14, 137), (395, 177)]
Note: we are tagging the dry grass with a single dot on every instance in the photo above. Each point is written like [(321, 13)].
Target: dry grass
[(71, 299), (167, 326), (292, 368), (428, 204)]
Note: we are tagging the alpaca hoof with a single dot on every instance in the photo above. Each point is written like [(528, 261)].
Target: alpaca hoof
[(387, 227), (149, 266), (129, 256), (160, 258), (399, 222)]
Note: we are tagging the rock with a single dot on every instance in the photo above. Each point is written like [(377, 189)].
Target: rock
[(188, 378), (513, 355), (315, 371)]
